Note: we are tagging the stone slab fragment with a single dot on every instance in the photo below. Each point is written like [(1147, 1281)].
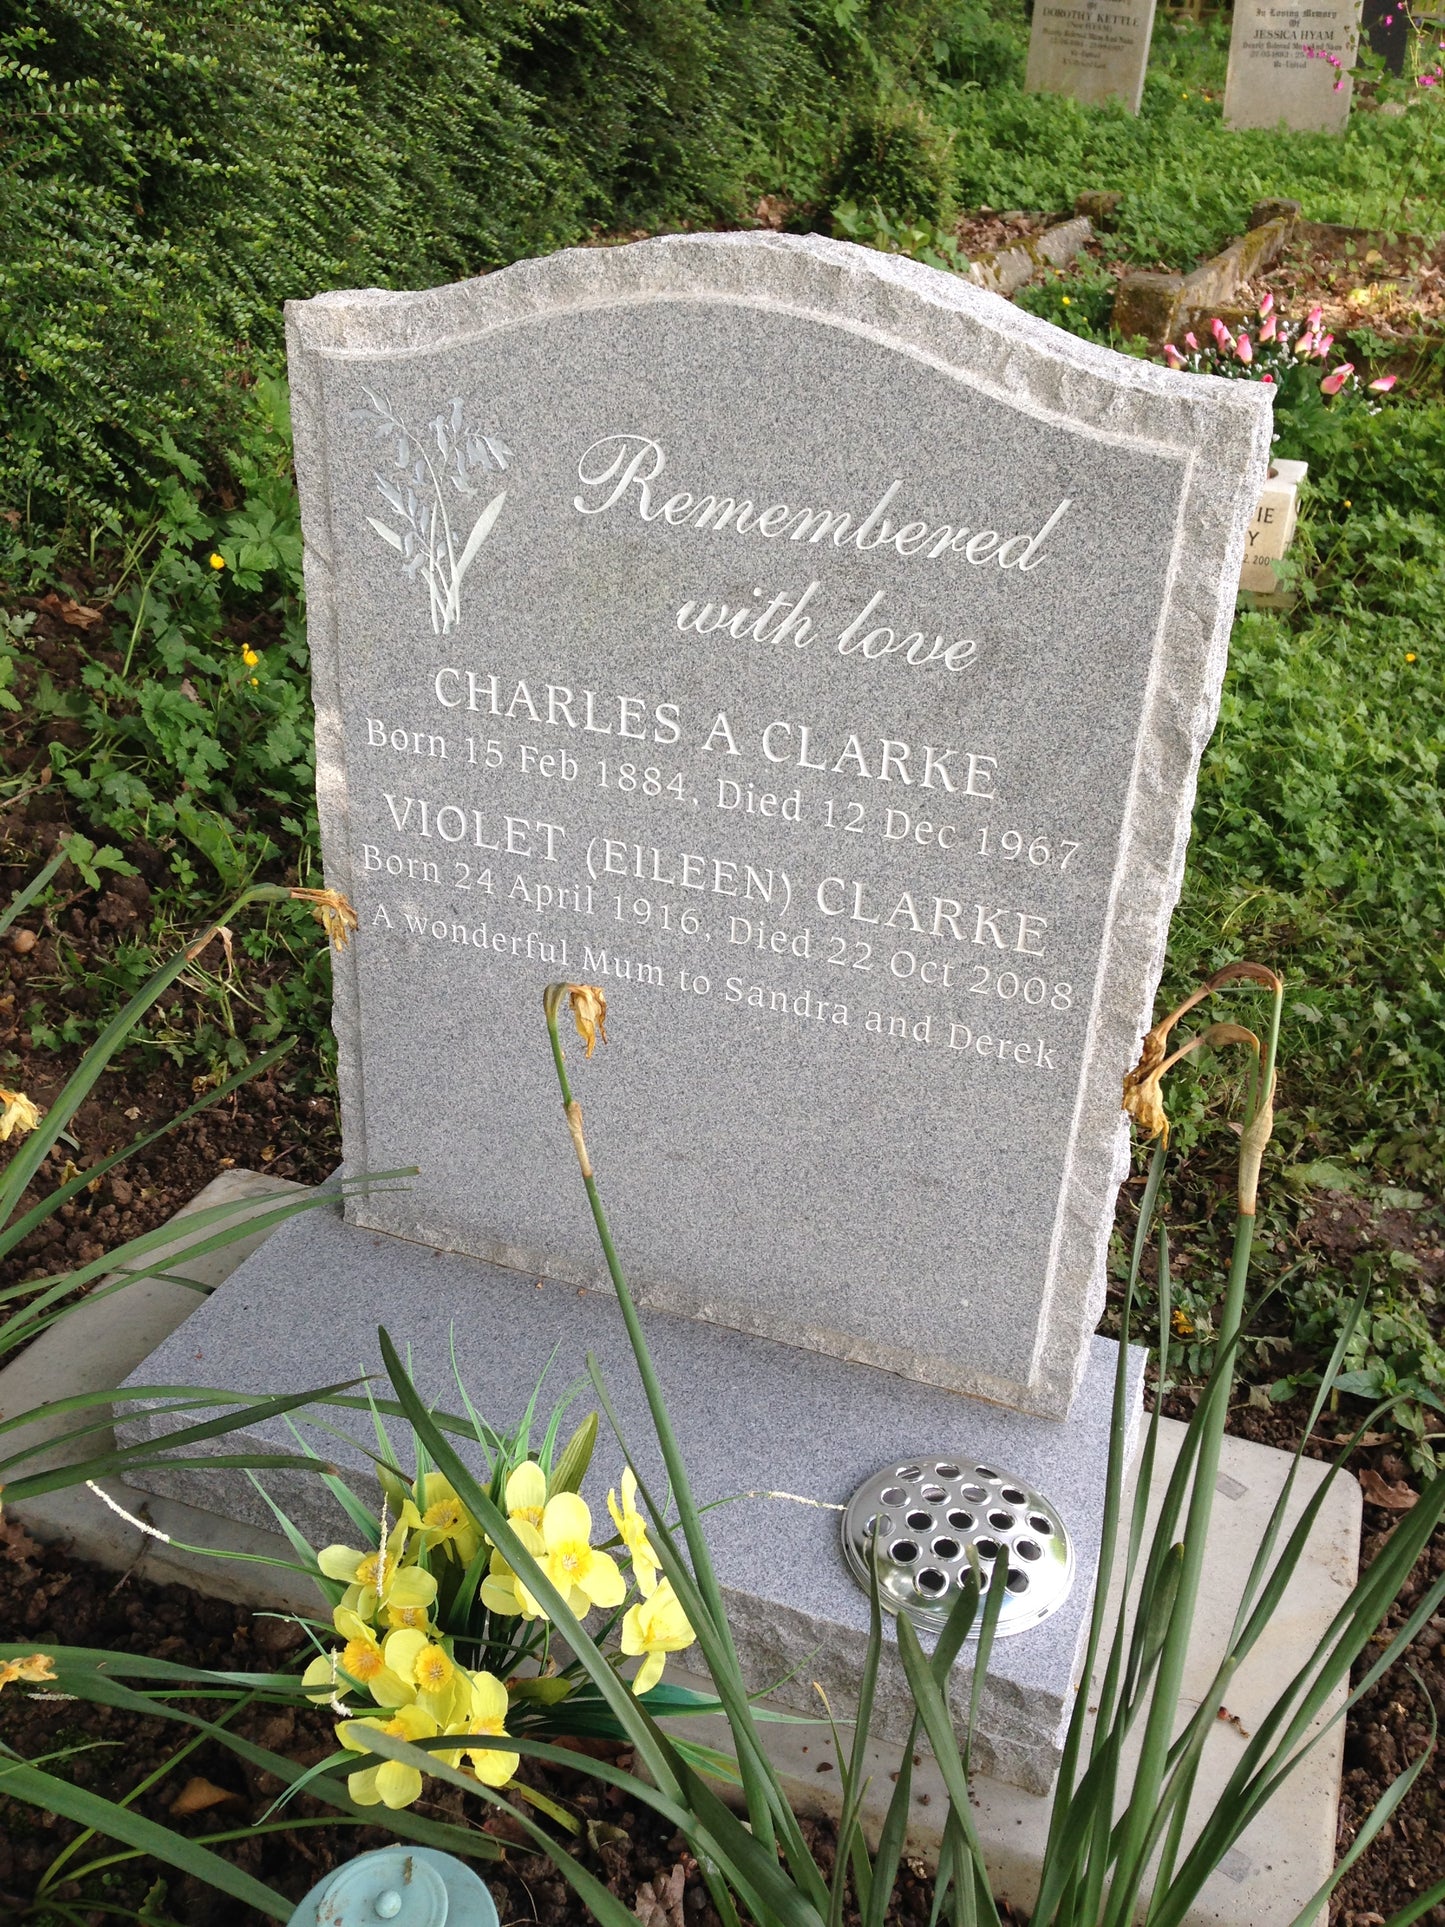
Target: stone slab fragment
[(1093, 50), (793, 1443), (1273, 80), (881, 919)]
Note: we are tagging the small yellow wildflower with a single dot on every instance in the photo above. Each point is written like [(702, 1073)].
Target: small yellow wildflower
[(390, 1784), (589, 1013), (633, 1528), (1181, 1322), (216, 561), (492, 1766), (331, 910), (1068, 301), (655, 1626), (17, 1113), (1409, 657), (32, 1670), (249, 656)]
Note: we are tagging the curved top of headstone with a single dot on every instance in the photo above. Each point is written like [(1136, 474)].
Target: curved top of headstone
[(925, 1183)]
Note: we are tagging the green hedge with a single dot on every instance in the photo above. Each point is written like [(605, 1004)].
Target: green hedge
[(172, 170)]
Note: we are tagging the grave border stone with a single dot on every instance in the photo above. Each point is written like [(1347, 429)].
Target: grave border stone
[(1217, 431)]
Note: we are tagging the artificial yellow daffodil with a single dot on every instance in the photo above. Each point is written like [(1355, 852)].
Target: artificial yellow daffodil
[(633, 1528), (526, 1494), (655, 1626), (17, 1113), (444, 1520), (376, 1580), (501, 1590), (363, 1660), (491, 1765), (391, 1783), (584, 1577), (440, 1685)]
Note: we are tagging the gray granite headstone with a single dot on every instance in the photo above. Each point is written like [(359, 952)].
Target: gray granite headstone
[(817, 653), (1093, 50), (1291, 64)]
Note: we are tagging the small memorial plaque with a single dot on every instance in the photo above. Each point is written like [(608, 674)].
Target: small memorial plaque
[(816, 653), (1094, 50)]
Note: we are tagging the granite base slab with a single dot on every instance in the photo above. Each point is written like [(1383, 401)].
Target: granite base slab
[(784, 1436)]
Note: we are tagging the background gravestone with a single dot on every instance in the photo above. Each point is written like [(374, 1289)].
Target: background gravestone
[(1272, 78), (1095, 50), (739, 622)]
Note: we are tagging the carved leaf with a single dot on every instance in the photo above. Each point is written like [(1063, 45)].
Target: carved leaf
[(386, 534)]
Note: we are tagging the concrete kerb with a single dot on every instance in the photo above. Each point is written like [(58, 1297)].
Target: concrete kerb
[(1281, 1858)]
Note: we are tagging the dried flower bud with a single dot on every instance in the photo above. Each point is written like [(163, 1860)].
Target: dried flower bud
[(589, 1013), (17, 1113), (332, 911)]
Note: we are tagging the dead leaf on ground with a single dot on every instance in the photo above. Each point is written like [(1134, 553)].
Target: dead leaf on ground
[(16, 1544), (197, 1795), (1377, 1491), (1233, 1719), (74, 615), (659, 1900)]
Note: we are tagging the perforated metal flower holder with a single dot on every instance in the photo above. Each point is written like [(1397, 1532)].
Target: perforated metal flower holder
[(929, 1518)]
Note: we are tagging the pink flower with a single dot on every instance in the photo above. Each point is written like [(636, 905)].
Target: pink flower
[(1243, 349), (1222, 337), (1339, 86), (1191, 343), (1172, 355), (1266, 307), (1314, 319), (1384, 384), (1268, 378), (1326, 342), (1332, 384), (1268, 328)]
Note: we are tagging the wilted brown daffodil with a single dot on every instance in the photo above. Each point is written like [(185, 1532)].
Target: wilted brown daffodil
[(1143, 1099), (17, 1113), (589, 1013), (332, 911)]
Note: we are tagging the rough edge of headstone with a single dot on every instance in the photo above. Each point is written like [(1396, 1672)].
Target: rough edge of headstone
[(1008, 269), (1161, 306), (1218, 430)]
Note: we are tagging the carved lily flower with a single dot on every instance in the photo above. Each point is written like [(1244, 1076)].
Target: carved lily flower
[(17, 1113), (589, 1013), (332, 911)]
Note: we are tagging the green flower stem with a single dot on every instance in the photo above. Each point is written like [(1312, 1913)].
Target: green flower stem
[(1154, 1752), (754, 1787)]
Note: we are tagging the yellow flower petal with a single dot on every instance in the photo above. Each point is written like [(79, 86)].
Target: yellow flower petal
[(397, 1784), (339, 1562)]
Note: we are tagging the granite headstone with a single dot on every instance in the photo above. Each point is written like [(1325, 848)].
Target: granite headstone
[(816, 652), (1291, 64), (1094, 50), (739, 623)]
